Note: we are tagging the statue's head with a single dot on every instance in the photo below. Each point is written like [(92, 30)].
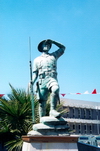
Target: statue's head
[(44, 46)]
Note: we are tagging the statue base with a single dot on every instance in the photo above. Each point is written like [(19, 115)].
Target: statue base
[(51, 133), (52, 143), (51, 126)]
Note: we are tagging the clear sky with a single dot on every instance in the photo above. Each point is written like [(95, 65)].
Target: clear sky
[(75, 23)]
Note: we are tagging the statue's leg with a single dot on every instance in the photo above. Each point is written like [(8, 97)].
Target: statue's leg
[(54, 98), (42, 102), (42, 108)]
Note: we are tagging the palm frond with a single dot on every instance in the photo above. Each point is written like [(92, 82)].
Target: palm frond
[(60, 108), (14, 145), (16, 116)]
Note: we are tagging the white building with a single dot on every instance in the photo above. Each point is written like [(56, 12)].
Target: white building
[(83, 116)]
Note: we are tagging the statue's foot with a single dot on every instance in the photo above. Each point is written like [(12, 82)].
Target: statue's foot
[(54, 113)]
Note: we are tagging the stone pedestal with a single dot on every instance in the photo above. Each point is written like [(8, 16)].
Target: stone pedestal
[(50, 126), (51, 143), (50, 134)]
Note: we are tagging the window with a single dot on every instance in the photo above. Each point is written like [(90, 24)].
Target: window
[(73, 112), (90, 129), (84, 112), (79, 127), (79, 113), (73, 127), (90, 114), (85, 128)]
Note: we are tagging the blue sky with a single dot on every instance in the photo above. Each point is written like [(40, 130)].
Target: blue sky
[(74, 23)]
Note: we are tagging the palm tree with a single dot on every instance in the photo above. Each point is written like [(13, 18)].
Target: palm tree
[(16, 117)]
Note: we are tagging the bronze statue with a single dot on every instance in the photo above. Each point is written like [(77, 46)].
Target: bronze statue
[(45, 70)]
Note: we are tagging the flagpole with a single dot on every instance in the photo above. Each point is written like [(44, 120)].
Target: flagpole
[(31, 85)]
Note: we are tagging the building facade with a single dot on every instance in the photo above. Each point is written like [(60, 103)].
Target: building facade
[(83, 116)]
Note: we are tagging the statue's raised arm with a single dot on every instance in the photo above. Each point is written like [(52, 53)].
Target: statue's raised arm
[(49, 41), (61, 46)]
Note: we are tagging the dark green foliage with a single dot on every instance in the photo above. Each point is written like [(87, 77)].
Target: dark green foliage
[(16, 117)]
